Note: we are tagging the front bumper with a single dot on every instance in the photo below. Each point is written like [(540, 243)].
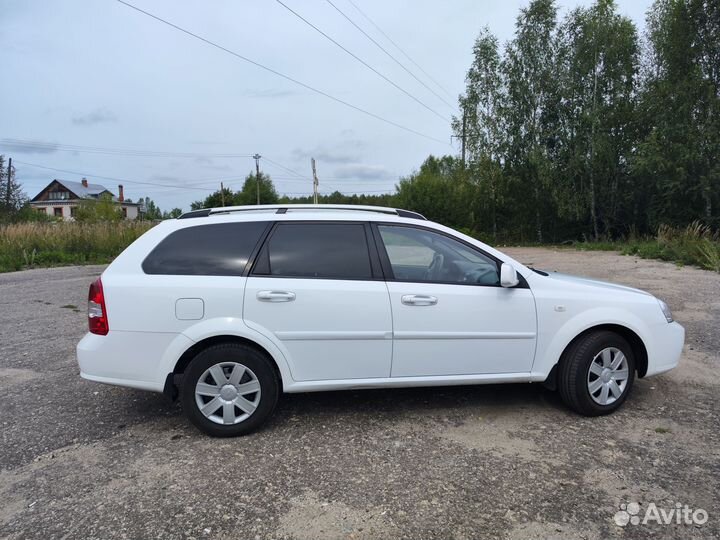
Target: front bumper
[(665, 349)]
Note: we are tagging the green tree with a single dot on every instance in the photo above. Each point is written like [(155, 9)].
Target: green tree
[(677, 160), (389, 199), (12, 197), (246, 196), (599, 59), (152, 211), (249, 191), (101, 209), (481, 126), (226, 197), (531, 108), (437, 191), (172, 214)]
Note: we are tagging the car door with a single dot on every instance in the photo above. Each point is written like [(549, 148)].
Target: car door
[(450, 314), (316, 290)]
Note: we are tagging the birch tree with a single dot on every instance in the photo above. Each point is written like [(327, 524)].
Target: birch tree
[(481, 126), (681, 105), (530, 110), (599, 58)]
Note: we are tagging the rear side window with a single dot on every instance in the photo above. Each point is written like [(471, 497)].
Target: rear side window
[(219, 249), (316, 250)]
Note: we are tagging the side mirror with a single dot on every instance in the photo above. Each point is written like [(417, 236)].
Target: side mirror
[(508, 275)]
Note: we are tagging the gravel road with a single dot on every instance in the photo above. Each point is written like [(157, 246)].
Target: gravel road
[(81, 460)]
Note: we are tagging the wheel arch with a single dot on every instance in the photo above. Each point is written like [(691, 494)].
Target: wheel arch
[(184, 361), (634, 340), (179, 357)]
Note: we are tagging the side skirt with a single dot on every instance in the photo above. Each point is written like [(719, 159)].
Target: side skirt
[(407, 382)]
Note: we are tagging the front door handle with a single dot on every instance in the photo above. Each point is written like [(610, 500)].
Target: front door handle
[(419, 300), (275, 296)]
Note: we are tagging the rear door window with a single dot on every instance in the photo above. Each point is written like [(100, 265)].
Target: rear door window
[(316, 250), (218, 249)]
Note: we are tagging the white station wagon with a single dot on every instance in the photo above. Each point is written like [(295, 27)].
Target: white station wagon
[(229, 307)]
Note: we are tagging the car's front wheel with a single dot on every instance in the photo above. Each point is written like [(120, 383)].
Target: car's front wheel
[(229, 389), (596, 373)]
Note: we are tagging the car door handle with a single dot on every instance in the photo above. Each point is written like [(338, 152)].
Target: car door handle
[(275, 296), (419, 300)]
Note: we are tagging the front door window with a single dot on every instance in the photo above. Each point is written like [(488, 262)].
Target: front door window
[(425, 256)]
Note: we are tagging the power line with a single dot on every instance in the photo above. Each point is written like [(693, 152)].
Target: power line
[(400, 49), (287, 169), (286, 77), (19, 144), (61, 147), (176, 187), (363, 62), (390, 55), (110, 177), (295, 180), (346, 179)]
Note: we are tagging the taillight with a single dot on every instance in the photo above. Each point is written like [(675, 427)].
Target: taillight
[(97, 313)]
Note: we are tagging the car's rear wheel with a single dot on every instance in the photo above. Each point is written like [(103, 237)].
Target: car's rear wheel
[(596, 373), (229, 389)]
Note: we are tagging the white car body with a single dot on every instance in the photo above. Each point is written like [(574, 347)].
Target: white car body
[(349, 334)]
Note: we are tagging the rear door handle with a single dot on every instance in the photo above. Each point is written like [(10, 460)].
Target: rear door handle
[(275, 296), (419, 300)]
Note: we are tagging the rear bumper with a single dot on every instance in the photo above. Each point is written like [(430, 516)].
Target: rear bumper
[(132, 359), (130, 383), (666, 348)]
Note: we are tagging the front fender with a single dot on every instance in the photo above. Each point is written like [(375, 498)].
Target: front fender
[(221, 326), (551, 344)]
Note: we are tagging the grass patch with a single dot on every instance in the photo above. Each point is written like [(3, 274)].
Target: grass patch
[(662, 430), (30, 245), (38, 244), (695, 245)]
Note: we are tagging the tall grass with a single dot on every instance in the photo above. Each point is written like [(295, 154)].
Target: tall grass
[(695, 244), (27, 245)]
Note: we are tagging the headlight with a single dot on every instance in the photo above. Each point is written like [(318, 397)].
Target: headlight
[(666, 310)]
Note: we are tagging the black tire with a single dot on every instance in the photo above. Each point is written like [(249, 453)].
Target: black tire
[(254, 360), (575, 366)]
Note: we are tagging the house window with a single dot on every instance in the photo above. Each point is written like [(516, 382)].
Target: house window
[(124, 211), (58, 195), (58, 211), (73, 211)]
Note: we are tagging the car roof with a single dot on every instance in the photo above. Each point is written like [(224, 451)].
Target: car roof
[(314, 210)]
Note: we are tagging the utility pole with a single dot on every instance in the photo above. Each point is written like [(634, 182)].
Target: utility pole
[(222, 193), (463, 138), (257, 157), (316, 183), (9, 182)]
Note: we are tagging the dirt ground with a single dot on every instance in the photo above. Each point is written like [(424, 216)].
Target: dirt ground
[(81, 460)]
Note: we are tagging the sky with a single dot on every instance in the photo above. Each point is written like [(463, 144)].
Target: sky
[(94, 88)]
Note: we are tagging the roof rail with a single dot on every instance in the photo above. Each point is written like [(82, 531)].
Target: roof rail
[(284, 208)]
